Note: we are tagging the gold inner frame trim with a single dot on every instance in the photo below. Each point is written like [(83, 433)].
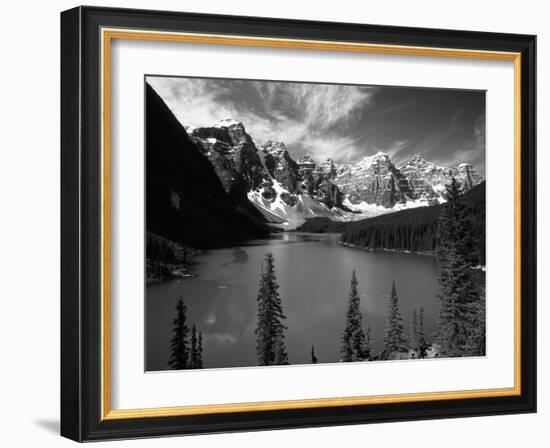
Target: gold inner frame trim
[(107, 35)]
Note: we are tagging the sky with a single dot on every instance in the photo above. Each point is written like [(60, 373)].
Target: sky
[(341, 122)]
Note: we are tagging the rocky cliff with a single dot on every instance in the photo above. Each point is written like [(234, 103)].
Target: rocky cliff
[(373, 180), (427, 180), (233, 155), (376, 180), (284, 191)]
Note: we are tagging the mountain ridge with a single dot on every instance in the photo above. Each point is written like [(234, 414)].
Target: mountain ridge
[(269, 184), (287, 191)]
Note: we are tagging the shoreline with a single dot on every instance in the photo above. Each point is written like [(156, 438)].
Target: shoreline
[(482, 268), (184, 271), (397, 251)]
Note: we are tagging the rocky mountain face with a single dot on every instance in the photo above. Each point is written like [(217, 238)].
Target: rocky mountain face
[(373, 180), (302, 177), (279, 165), (376, 180), (233, 155), (284, 191), (287, 191), (467, 176), (427, 180)]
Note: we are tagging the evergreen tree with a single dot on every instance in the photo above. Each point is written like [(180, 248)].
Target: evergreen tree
[(460, 299), (414, 331), (422, 343), (417, 338), (354, 344), (368, 345), (199, 351), (194, 360), (281, 356), (313, 357), (179, 344), (270, 338), (394, 341), (263, 328), (475, 345)]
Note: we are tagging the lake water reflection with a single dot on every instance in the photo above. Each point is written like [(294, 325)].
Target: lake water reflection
[(313, 272)]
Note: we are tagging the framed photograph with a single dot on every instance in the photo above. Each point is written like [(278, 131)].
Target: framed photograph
[(275, 224)]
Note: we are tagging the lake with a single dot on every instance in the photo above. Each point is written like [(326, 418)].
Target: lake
[(313, 272)]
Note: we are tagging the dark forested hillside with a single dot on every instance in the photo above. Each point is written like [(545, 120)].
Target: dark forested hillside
[(322, 225), (186, 201), (166, 259), (415, 229)]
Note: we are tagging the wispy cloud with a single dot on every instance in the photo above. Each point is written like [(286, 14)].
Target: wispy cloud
[(479, 132), (433, 143), (341, 122), (451, 152), (194, 101), (395, 107), (309, 116), (473, 150), (334, 147), (315, 106), (395, 148)]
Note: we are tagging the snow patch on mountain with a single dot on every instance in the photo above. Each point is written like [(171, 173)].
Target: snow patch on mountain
[(275, 202), (273, 198), (365, 210), (226, 123)]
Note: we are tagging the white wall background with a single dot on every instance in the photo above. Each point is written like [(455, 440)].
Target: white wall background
[(29, 227)]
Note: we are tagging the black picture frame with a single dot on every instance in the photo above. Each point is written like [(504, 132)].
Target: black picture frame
[(81, 224)]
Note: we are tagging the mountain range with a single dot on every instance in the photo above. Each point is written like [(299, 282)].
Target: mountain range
[(215, 185), (288, 191)]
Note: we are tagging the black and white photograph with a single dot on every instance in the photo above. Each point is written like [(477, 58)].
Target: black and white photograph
[(304, 223), (277, 224)]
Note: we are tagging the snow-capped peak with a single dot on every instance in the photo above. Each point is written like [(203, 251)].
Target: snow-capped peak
[(417, 160), (367, 161), (227, 122)]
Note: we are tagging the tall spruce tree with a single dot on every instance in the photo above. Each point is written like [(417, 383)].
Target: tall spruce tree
[(281, 356), (414, 331), (199, 350), (270, 338), (368, 353), (354, 343), (423, 344), (475, 344), (394, 340), (313, 357), (460, 299), (179, 344), (194, 359), (417, 338)]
